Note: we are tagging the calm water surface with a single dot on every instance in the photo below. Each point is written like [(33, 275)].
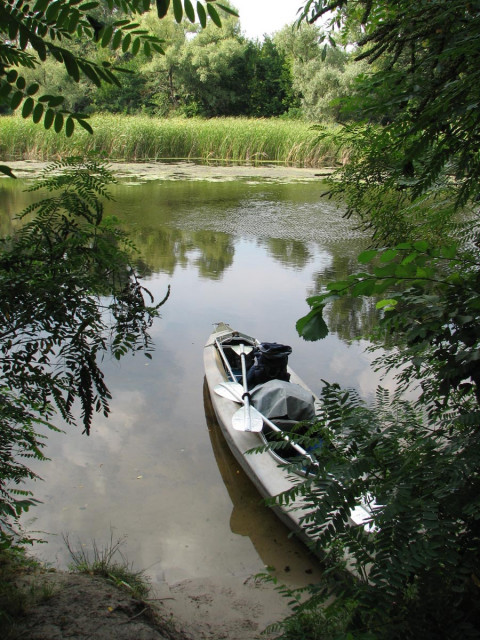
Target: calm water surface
[(158, 472)]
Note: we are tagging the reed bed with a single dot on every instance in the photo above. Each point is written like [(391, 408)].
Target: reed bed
[(141, 139)]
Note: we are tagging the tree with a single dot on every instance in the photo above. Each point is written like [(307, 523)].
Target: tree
[(323, 75), (211, 74), (270, 85), (408, 177), (70, 290), (425, 92)]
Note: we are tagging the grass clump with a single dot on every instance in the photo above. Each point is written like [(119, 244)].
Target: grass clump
[(110, 563)]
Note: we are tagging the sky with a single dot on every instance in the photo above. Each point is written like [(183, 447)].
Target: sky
[(258, 17)]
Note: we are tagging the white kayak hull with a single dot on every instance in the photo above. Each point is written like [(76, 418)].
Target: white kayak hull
[(269, 476)]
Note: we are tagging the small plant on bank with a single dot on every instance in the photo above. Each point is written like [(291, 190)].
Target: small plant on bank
[(104, 562)]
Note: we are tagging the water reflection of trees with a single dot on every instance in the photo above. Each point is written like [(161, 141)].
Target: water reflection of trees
[(216, 253), (348, 317), (165, 248), (292, 253)]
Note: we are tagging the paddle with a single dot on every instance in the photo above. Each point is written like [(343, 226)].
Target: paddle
[(233, 391), (247, 418)]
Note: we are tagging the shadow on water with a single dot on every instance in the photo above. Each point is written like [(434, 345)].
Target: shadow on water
[(278, 549)]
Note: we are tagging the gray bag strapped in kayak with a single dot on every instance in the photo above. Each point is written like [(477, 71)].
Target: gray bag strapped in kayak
[(277, 398), (271, 361)]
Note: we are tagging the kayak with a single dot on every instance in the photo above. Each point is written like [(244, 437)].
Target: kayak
[(251, 407), (245, 427)]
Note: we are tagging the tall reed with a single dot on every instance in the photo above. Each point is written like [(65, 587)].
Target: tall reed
[(141, 138)]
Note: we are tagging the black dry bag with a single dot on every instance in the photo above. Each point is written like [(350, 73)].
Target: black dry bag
[(271, 361)]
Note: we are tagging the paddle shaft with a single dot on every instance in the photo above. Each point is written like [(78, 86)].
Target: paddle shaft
[(246, 396), (225, 359)]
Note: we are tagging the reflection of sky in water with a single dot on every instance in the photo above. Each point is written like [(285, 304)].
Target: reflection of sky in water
[(149, 471)]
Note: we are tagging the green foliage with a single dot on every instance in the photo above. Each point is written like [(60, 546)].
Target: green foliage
[(323, 75), (417, 569), (423, 88), (270, 82), (69, 293), (433, 309), (412, 167)]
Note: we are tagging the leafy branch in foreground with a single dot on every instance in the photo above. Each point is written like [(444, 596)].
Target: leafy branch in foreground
[(432, 306), (69, 293), (418, 569)]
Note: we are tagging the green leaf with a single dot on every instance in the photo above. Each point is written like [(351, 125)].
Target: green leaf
[(38, 113), (73, 22), (387, 305), (58, 122), (16, 100), (7, 171), (52, 11), (386, 271), (117, 39), (32, 89), (232, 12), (388, 255), (162, 8), (54, 101), (85, 125), (27, 107), (177, 10), (189, 10), (40, 5), (69, 127), (135, 46), (410, 258), (421, 245), (49, 118), (202, 16), (364, 287), (213, 13), (71, 65), (90, 72), (340, 285), (126, 42), (106, 36), (312, 326), (449, 251), (21, 83), (367, 256), (12, 75)]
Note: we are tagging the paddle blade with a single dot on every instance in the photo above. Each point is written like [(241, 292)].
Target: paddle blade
[(241, 348), (247, 419), (229, 390)]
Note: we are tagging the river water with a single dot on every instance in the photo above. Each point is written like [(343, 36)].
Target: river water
[(247, 250)]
